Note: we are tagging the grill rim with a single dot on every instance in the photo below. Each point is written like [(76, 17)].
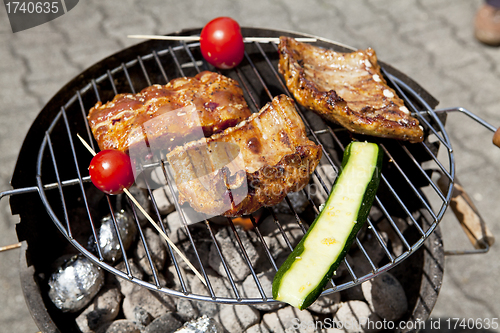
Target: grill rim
[(41, 186)]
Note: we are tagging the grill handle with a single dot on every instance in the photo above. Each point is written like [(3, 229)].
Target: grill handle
[(467, 214), (496, 136), (9, 193)]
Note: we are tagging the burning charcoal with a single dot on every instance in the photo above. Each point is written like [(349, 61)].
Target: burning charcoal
[(374, 250), (233, 254), (386, 296), (108, 239), (249, 290), (163, 324), (142, 317), (141, 195), (397, 244), (141, 299), (237, 318), (103, 310), (220, 287), (176, 228), (187, 309), (157, 251), (124, 284), (274, 238), (75, 283), (354, 316), (328, 175), (123, 326), (164, 200), (177, 231), (257, 328), (297, 199), (328, 304), (202, 247), (203, 324), (286, 320)]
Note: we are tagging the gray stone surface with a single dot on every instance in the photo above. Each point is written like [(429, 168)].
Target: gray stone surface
[(429, 40)]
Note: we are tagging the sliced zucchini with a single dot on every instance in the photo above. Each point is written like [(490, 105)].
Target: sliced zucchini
[(305, 273)]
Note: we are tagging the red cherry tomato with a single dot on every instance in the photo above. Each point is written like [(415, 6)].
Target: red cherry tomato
[(221, 43), (111, 171)]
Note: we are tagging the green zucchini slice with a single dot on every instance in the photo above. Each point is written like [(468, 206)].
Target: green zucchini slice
[(306, 271)]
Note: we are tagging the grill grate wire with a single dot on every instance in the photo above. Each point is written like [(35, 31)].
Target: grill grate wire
[(253, 80)]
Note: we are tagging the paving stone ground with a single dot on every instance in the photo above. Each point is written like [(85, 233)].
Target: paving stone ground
[(429, 40)]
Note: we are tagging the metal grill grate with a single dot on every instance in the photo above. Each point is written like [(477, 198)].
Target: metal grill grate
[(407, 174)]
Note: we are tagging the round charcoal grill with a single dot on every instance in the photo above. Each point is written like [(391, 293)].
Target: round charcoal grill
[(409, 197)]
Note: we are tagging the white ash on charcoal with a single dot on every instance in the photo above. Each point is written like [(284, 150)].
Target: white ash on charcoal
[(233, 254), (166, 323), (107, 238), (328, 175), (385, 296), (395, 240), (122, 326), (142, 196), (141, 299), (297, 199), (287, 319), (204, 324), (142, 317), (176, 229), (201, 248), (74, 284), (290, 226), (172, 277), (275, 240), (155, 177), (220, 286), (157, 250), (164, 200), (187, 309), (249, 289), (237, 318), (328, 304), (124, 284), (373, 249), (355, 316), (102, 310)]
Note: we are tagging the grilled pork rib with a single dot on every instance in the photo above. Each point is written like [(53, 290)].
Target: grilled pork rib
[(209, 101), (346, 88), (245, 167)]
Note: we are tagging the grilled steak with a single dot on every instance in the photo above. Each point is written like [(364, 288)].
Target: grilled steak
[(346, 88), (245, 167), (169, 115)]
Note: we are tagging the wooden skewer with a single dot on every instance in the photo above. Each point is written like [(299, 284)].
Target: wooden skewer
[(169, 241), (10, 247), (197, 38)]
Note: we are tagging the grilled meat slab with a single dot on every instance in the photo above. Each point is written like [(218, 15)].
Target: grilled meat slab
[(170, 114), (245, 167), (346, 88)]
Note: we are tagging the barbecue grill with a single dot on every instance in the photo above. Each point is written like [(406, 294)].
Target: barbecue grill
[(51, 173)]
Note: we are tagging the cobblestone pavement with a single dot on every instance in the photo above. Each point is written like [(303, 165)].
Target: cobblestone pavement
[(429, 40)]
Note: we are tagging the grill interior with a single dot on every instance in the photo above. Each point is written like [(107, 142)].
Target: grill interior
[(401, 205)]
